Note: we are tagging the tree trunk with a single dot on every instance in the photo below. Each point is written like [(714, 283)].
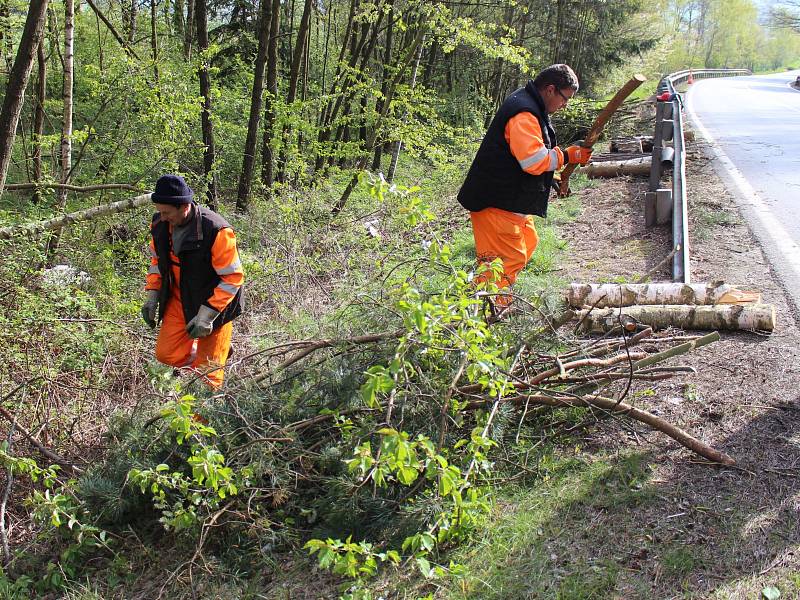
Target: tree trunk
[(605, 295), (5, 35), (387, 60), (154, 39), (331, 108), (294, 78), (209, 153), (723, 316), (267, 155), (248, 160), (18, 81), (618, 168), (411, 53), (38, 118), (134, 4), (188, 34), (112, 29), (66, 127), (399, 144), (178, 21)]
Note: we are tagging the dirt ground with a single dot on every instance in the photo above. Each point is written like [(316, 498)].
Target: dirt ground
[(710, 532)]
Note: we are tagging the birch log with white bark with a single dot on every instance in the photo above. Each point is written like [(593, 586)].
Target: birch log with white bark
[(75, 217), (720, 317), (603, 295), (611, 168)]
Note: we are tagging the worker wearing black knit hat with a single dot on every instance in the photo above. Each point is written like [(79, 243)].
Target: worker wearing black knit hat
[(194, 284)]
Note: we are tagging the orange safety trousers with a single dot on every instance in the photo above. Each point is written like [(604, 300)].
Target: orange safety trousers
[(174, 347), (506, 235)]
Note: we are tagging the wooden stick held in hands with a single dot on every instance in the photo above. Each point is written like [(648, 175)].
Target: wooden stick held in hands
[(597, 127)]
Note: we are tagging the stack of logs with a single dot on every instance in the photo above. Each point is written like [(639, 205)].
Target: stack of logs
[(712, 306)]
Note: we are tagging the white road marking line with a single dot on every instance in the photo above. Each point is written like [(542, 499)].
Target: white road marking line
[(789, 249)]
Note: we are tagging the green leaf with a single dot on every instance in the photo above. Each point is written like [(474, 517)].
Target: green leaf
[(424, 567), (771, 593)]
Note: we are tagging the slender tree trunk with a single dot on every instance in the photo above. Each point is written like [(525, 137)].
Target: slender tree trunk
[(332, 105), (38, 118), (66, 126), (18, 81), (209, 154), (430, 65), (411, 53), (6, 41), (399, 145), (154, 39), (267, 155), (178, 21), (294, 78), (248, 160), (188, 34), (134, 4), (111, 28), (387, 60)]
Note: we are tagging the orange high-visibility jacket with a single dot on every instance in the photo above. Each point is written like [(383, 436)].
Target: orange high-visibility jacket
[(192, 277)]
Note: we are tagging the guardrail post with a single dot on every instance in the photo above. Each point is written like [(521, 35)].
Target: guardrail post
[(663, 206), (655, 161), (667, 129)]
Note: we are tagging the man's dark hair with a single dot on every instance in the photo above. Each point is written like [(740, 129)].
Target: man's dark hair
[(562, 76)]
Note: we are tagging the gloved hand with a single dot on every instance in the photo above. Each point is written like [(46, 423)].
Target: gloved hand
[(203, 322), (150, 308), (577, 155)]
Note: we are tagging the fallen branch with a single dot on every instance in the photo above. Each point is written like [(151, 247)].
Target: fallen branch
[(75, 217), (313, 346), (46, 452), (620, 408)]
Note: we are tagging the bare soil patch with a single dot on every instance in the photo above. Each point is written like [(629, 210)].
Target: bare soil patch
[(708, 531)]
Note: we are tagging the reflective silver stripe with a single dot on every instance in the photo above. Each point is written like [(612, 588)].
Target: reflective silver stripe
[(533, 158), (553, 160), (231, 268), (152, 252), (228, 287), (154, 270)]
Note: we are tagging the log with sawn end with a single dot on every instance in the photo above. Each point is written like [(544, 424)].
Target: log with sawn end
[(753, 317), (604, 295), (614, 168)]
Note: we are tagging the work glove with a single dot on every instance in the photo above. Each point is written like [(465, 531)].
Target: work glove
[(150, 308), (203, 322), (577, 155)]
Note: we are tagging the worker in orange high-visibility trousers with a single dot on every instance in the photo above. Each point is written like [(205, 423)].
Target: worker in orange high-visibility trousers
[(194, 285), (510, 178)]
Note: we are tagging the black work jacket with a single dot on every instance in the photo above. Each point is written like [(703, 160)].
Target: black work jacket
[(495, 178), (198, 277)]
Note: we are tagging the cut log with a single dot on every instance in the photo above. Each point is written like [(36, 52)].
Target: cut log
[(639, 166), (637, 143), (603, 295), (753, 317), (617, 156)]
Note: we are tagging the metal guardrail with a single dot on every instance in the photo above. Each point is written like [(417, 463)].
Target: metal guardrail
[(660, 202)]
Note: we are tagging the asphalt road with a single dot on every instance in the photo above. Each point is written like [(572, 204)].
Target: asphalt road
[(753, 125)]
